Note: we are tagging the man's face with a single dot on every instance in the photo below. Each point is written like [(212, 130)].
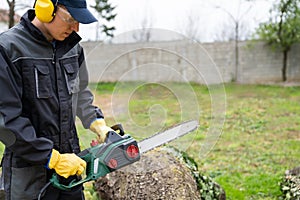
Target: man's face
[(62, 25)]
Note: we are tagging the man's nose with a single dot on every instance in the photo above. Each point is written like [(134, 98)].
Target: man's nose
[(75, 27)]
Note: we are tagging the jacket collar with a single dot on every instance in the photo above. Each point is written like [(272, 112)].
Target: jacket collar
[(61, 46)]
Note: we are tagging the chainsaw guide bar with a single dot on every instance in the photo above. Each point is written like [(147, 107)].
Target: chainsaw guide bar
[(167, 136)]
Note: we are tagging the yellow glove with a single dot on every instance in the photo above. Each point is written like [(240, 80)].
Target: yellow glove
[(66, 164), (99, 127)]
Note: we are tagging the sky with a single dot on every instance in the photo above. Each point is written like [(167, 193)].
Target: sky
[(174, 15), (193, 18)]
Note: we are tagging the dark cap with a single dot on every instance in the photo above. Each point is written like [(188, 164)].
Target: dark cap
[(78, 10)]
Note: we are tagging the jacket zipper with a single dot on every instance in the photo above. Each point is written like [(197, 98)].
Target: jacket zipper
[(53, 55)]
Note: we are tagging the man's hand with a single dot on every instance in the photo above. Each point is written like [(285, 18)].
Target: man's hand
[(66, 164), (99, 127)]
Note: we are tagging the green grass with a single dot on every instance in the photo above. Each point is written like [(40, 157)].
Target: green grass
[(261, 140), (260, 137)]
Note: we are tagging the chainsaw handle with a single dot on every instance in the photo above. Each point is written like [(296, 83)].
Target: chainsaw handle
[(116, 152), (83, 153), (112, 137), (87, 155), (55, 180), (118, 128)]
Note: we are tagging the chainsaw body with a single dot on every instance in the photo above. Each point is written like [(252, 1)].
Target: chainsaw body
[(116, 152)]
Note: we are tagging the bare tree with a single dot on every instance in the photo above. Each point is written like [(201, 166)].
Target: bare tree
[(227, 33), (143, 34), (13, 7), (237, 21), (190, 27)]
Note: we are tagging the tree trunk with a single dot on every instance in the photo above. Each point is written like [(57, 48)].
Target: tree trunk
[(236, 42), (284, 67), (11, 5), (158, 175)]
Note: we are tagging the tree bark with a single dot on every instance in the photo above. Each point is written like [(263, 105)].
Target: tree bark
[(158, 175), (284, 66), (11, 5)]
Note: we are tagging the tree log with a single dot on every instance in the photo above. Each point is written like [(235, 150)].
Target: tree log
[(158, 175)]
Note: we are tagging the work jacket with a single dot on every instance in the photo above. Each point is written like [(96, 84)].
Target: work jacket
[(43, 88)]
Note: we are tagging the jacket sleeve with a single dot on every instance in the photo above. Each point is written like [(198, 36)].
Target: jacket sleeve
[(86, 111), (26, 145)]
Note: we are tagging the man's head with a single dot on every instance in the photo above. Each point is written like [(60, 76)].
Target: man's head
[(57, 19), (46, 10)]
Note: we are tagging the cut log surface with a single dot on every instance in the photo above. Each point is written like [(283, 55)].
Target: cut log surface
[(158, 175)]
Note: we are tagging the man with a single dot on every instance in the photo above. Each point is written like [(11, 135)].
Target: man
[(43, 81)]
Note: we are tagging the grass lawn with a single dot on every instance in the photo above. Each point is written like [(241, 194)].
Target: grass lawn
[(258, 141), (260, 136)]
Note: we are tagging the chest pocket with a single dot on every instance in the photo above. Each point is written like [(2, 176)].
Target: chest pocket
[(42, 81), (72, 77)]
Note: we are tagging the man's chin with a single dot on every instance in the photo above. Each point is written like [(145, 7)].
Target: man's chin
[(61, 37)]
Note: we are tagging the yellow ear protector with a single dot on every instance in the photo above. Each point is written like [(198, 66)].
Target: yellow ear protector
[(45, 10)]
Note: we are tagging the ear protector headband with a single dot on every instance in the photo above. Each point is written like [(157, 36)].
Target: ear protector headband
[(45, 10)]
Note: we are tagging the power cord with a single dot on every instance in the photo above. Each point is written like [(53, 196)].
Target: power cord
[(43, 190)]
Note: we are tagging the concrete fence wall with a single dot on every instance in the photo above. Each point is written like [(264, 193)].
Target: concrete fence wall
[(185, 61)]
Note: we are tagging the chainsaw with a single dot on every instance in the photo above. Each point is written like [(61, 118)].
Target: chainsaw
[(119, 150)]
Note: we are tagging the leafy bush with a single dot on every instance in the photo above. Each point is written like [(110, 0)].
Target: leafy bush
[(290, 187), (208, 188)]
